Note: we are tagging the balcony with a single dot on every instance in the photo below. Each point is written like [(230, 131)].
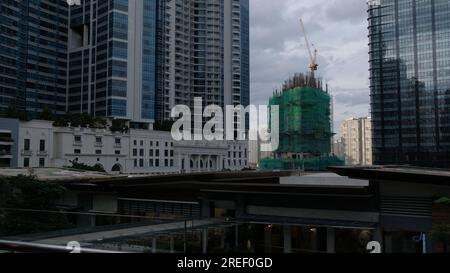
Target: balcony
[(77, 143), (98, 144), (5, 154), (26, 153), (42, 154)]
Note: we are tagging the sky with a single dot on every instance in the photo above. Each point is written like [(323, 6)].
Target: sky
[(337, 28)]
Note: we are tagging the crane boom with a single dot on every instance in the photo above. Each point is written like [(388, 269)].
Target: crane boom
[(312, 56)]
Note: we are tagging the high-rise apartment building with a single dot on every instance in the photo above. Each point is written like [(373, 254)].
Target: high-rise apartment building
[(122, 59), (410, 81), (206, 53), (33, 56), (356, 136)]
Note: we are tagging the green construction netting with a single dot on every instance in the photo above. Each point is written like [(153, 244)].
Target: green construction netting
[(305, 121), (313, 164)]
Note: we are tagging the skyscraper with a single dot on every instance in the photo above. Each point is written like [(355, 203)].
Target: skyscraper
[(206, 53), (112, 59), (410, 81), (120, 59), (33, 56)]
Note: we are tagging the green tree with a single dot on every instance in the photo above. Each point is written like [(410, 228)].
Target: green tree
[(20, 194)]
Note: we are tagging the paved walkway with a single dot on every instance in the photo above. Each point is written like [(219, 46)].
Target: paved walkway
[(129, 232)]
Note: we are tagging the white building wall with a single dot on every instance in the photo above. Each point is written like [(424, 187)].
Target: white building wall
[(33, 156), (145, 152), (357, 141)]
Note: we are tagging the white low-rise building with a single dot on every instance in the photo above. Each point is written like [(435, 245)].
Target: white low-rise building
[(39, 144)]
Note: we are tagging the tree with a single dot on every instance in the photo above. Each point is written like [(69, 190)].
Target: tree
[(22, 193), (13, 112), (47, 115)]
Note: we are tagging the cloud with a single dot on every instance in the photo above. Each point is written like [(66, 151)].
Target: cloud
[(338, 28)]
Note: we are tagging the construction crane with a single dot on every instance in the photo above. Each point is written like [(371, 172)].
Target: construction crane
[(313, 66)]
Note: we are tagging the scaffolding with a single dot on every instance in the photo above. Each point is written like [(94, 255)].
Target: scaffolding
[(304, 126)]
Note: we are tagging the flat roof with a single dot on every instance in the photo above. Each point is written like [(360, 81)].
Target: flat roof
[(323, 180), (54, 174), (396, 173)]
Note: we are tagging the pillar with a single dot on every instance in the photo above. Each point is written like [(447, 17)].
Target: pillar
[(331, 240), (172, 245), (267, 240), (154, 245), (205, 240), (287, 235)]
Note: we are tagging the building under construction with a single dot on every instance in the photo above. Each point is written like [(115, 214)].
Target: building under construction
[(305, 126)]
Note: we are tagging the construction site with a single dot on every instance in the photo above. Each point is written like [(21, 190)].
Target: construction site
[(305, 122)]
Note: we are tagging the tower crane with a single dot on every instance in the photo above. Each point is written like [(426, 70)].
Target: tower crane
[(313, 66)]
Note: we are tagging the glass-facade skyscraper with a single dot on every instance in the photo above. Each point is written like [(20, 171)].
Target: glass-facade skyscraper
[(124, 59), (112, 59), (33, 56), (410, 81)]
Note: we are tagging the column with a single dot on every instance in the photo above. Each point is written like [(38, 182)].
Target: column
[(205, 240), (331, 240), (287, 235), (267, 240), (154, 245), (172, 245)]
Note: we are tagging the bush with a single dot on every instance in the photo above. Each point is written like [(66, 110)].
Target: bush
[(22, 193), (84, 167)]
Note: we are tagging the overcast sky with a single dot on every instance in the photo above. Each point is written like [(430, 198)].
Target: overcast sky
[(338, 28)]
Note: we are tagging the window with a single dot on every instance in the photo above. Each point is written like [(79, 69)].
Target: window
[(26, 145), (141, 152), (135, 163), (151, 143), (167, 144), (117, 152), (98, 152), (135, 152), (151, 164), (142, 143), (26, 162), (42, 145), (157, 152), (77, 151), (118, 141), (166, 163), (77, 138), (151, 152), (41, 162), (157, 162), (98, 140), (157, 143), (135, 143), (171, 163), (171, 153), (141, 163), (166, 153)]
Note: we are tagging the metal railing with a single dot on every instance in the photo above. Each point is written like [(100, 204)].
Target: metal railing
[(24, 247)]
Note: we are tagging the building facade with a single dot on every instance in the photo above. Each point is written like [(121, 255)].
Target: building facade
[(112, 59), (39, 144), (132, 60), (357, 141), (205, 49), (33, 56), (410, 83)]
